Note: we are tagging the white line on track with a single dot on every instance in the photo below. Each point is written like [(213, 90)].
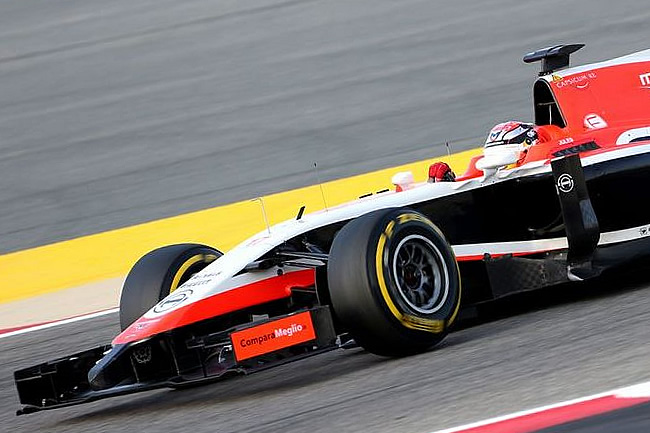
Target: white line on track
[(58, 323), (641, 390)]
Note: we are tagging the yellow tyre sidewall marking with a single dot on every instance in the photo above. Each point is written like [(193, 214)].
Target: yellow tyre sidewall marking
[(379, 262), (207, 258), (416, 217), (460, 295), (408, 320)]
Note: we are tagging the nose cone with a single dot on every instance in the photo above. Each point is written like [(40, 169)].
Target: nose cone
[(109, 371)]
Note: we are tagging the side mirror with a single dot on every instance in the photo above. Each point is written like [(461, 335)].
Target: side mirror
[(403, 181), (499, 156)]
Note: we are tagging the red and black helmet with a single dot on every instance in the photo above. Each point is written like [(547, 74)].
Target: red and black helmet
[(512, 132)]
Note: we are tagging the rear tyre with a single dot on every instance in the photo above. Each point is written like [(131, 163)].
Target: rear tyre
[(157, 274), (394, 282)]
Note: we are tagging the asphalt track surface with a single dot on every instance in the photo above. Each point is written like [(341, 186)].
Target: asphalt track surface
[(122, 112), (114, 113), (551, 346)]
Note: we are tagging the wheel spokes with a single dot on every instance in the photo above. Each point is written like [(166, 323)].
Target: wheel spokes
[(418, 273)]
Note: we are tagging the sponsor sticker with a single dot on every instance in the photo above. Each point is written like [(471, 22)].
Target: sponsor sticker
[(271, 336), (594, 121), (578, 81), (645, 80), (565, 183), (142, 323), (172, 300)]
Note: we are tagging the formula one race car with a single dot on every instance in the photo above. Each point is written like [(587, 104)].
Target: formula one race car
[(555, 201)]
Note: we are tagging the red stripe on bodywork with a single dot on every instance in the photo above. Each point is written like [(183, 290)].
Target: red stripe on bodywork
[(259, 292)]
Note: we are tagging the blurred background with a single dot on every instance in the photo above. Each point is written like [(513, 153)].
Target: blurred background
[(114, 113)]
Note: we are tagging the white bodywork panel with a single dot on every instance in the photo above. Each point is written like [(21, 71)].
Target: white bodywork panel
[(638, 57), (221, 275)]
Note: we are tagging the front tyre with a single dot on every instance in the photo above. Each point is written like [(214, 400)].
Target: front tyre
[(394, 282), (157, 274)]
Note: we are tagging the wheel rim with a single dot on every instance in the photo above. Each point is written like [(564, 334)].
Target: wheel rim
[(420, 274)]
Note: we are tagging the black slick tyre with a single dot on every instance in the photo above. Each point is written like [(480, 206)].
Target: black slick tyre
[(394, 282), (157, 274)]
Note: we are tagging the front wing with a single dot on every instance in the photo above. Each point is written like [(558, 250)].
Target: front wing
[(169, 361)]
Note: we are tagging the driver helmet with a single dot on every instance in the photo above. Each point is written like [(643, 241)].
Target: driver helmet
[(509, 141), (512, 132)]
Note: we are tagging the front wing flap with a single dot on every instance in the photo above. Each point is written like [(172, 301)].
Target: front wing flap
[(172, 360)]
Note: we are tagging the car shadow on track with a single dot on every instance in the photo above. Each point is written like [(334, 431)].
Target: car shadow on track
[(311, 371), (609, 284)]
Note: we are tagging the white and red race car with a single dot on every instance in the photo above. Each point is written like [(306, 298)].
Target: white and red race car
[(385, 271)]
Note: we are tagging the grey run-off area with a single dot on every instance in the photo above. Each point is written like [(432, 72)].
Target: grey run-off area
[(115, 113)]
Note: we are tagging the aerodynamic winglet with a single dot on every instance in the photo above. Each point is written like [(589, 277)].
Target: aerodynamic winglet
[(552, 58)]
